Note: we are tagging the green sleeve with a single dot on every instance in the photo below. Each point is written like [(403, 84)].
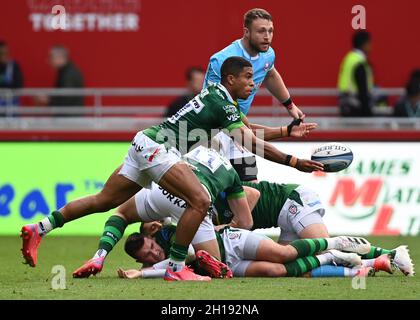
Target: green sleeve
[(235, 191)]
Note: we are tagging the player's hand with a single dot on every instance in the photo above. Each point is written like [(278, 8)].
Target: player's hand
[(295, 112), (129, 274), (299, 129), (309, 165)]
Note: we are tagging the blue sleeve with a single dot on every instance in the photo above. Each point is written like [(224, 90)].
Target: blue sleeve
[(272, 59), (213, 72)]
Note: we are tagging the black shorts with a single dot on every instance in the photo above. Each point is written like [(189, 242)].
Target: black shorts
[(246, 168)]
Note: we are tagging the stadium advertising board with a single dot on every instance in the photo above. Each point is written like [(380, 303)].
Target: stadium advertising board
[(37, 178), (378, 194)]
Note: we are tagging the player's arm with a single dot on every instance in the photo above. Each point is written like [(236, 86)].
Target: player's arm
[(296, 129), (245, 137), (275, 84), (238, 203)]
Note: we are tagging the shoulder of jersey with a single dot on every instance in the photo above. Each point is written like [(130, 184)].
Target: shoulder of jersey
[(231, 50), (216, 92)]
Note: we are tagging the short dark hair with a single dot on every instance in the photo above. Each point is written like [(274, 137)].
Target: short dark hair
[(191, 70), (360, 38), (255, 14), (3, 43), (134, 242), (413, 88), (233, 66)]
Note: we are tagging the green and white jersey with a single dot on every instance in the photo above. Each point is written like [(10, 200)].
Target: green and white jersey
[(215, 172), (199, 120), (266, 212)]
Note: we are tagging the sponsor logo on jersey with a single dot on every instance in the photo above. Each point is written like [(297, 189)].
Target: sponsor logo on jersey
[(314, 203), (137, 147), (230, 109), (233, 117), (180, 203), (234, 235), (266, 66), (293, 209)]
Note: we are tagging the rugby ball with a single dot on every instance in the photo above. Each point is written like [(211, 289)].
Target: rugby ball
[(335, 156)]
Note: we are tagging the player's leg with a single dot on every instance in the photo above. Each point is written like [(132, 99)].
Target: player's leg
[(205, 239), (296, 268), (116, 190), (308, 223), (316, 230), (113, 231), (263, 269), (269, 250), (252, 196), (180, 181)]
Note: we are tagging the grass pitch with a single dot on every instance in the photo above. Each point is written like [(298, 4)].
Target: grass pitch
[(19, 281)]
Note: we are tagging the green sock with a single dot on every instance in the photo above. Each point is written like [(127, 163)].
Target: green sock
[(113, 232), (301, 265), (308, 247), (56, 218), (178, 252), (376, 252)]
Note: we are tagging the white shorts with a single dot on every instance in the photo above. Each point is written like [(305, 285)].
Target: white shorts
[(294, 218), (157, 204), (240, 248), (148, 161)]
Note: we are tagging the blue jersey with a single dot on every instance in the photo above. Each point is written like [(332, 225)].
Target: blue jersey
[(262, 63)]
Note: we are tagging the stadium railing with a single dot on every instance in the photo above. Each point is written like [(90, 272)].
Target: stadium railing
[(98, 109), (123, 118)]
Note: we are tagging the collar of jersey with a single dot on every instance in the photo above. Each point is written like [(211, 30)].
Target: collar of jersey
[(246, 54), (228, 96)]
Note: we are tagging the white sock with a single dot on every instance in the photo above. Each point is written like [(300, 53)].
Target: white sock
[(350, 272), (368, 262), (325, 258), (44, 226), (101, 253), (176, 266), (331, 243)]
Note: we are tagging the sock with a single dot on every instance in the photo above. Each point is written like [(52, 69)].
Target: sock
[(301, 266), (376, 252), (101, 253), (54, 220), (44, 226), (368, 263), (113, 232), (351, 272), (328, 271), (308, 247), (177, 257)]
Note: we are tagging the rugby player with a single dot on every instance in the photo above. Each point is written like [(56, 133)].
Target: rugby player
[(155, 156), (249, 254), (214, 172), (254, 46), (299, 211)]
